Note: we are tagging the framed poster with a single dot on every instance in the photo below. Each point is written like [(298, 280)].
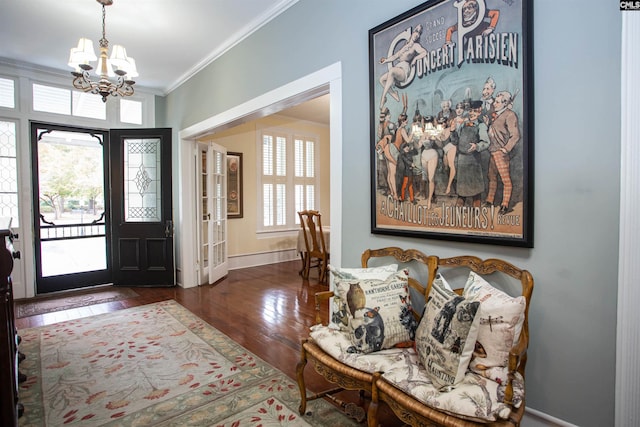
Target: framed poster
[(234, 185), (451, 122)]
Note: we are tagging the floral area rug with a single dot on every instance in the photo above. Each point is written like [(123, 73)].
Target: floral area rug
[(154, 365), (66, 301)]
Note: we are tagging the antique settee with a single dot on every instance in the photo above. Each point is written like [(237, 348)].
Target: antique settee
[(441, 341)]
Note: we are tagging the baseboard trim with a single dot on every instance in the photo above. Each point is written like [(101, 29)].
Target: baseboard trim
[(535, 418), (262, 258)]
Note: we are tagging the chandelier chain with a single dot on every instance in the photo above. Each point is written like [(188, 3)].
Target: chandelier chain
[(103, 41)]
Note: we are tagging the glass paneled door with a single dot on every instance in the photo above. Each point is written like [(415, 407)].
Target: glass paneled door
[(102, 207), (71, 207), (142, 221), (213, 213)]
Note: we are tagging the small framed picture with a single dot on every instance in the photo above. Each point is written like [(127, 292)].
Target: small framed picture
[(234, 185)]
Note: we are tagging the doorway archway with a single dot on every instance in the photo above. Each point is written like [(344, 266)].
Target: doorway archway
[(325, 81)]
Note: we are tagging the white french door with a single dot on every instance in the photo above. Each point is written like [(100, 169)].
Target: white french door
[(212, 213)]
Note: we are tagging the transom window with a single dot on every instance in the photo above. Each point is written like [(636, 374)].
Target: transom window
[(7, 93), (52, 99)]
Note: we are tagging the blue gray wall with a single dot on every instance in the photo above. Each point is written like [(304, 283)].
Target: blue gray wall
[(571, 370)]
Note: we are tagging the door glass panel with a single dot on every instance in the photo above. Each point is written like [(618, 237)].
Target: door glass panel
[(205, 211), (142, 184), (73, 256), (9, 175), (71, 203), (219, 218)]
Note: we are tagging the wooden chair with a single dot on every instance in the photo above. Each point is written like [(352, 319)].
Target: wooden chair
[(316, 254)]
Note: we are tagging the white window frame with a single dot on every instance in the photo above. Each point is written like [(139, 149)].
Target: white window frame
[(15, 93), (289, 180)]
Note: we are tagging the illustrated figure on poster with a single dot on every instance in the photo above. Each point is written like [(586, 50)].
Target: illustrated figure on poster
[(401, 64), (429, 160), (385, 133), (400, 137), (473, 138), (405, 171), (419, 173), (462, 112), (504, 134), (487, 99), (445, 111), (474, 19), (450, 145), (391, 152)]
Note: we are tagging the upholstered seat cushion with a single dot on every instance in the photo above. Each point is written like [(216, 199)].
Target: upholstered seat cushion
[(475, 397), (338, 345)]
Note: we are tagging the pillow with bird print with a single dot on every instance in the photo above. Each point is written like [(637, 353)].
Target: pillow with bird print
[(378, 311), (339, 306), (446, 336), (501, 318)]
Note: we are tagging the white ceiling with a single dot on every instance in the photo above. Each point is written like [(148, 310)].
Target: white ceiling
[(315, 110), (170, 40)]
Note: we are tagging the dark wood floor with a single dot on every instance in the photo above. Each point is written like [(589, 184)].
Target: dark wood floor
[(266, 309)]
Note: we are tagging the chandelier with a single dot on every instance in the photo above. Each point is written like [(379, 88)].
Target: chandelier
[(119, 65)]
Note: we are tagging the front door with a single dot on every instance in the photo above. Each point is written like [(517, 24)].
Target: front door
[(102, 207), (142, 221), (70, 207)]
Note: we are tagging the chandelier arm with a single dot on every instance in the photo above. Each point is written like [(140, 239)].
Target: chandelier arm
[(83, 82), (79, 82), (123, 88), (114, 89), (126, 90)]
